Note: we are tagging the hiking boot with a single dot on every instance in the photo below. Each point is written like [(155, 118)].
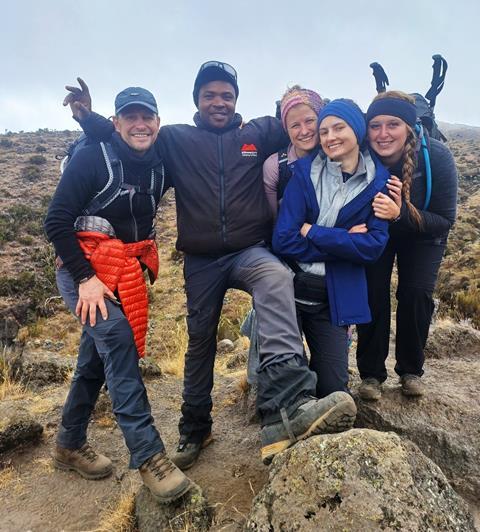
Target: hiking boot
[(370, 389), (412, 385), (164, 480), (334, 413), (187, 452), (84, 461)]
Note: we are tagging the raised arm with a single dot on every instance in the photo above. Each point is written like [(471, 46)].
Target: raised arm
[(96, 127), (79, 100)]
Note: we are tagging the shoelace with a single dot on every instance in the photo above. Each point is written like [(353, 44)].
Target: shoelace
[(160, 466), (88, 453)]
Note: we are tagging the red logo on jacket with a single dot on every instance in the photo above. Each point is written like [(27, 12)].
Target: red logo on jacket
[(249, 150)]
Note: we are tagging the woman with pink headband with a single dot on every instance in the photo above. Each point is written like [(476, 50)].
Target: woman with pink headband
[(299, 110)]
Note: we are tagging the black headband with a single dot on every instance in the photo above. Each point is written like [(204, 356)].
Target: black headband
[(393, 107)]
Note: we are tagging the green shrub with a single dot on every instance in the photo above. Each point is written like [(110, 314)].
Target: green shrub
[(41, 149), (21, 218), (6, 143), (32, 173), (37, 159), (34, 286), (15, 286), (468, 305)]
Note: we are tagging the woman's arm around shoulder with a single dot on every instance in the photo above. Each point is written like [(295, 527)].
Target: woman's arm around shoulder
[(270, 182)]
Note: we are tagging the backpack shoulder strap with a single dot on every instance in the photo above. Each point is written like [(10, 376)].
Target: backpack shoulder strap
[(114, 183), (424, 149), (284, 172)]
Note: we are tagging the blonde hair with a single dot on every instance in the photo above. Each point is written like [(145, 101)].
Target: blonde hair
[(409, 156)]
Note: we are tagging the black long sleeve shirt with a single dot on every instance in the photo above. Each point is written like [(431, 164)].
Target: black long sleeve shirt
[(85, 175)]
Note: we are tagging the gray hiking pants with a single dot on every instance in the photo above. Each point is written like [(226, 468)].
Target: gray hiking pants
[(284, 379), (108, 354)]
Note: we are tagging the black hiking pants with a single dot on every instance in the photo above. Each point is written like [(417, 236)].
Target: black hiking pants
[(328, 345), (284, 379), (418, 262)]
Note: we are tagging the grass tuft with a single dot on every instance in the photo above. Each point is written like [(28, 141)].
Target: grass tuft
[(120, 518), (9, 388)]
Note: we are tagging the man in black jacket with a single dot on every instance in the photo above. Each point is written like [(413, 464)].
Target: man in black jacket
[(106, 200), (224, 223)]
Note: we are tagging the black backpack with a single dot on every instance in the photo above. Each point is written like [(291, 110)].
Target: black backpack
[(115, 185), (425, 104)]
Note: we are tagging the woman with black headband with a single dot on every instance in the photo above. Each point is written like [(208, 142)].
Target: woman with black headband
[(417, 240)]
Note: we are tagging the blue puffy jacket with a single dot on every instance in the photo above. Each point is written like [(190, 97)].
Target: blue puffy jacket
[(344, 253)]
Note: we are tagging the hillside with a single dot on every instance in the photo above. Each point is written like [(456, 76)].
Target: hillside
[(33, 320), (29, 172)]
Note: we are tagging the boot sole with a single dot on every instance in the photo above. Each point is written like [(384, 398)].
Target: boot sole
[(62, 466), (338, 419), (180, 493), (206, 443)]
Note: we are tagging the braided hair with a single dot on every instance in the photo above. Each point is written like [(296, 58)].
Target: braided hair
[(409, 156)]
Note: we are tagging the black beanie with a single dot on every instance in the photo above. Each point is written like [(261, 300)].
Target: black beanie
[(212, 73)]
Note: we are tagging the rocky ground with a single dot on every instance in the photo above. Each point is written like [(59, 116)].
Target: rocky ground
[(41, 339), (444, 426)]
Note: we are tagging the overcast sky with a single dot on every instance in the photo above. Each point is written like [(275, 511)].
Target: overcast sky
[(326, 46)]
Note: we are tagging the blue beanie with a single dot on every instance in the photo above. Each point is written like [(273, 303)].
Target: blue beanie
[(349, 111)]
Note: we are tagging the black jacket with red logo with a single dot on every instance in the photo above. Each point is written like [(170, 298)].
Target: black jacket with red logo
[(218, 180)]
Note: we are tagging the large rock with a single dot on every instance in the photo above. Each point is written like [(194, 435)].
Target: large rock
[(445, 423), (190, 512), (449, 339), (13, 315), (37, 368), (17, 427), (357, 480)]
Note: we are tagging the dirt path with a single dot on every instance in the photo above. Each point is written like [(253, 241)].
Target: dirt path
[(34, 496)]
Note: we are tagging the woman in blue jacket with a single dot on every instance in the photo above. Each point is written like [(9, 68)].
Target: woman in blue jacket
[(327, 231)]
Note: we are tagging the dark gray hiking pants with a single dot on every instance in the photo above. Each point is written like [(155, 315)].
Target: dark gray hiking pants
[(108, 354), (284, 379)]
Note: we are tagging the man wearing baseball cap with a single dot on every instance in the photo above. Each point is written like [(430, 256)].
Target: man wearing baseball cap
[(224, 223), (101, 224)]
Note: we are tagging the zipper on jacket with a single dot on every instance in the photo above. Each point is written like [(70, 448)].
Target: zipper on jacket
[(222, 189)]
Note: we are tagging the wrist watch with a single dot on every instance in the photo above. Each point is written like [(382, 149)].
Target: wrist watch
[(85, 279)]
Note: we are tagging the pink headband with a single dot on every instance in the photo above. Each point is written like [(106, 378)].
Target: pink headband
[(299, 96)]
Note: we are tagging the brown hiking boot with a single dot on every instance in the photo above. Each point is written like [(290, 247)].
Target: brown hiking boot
[(412, 385), (163, 478), (370, 389), (84, 461)]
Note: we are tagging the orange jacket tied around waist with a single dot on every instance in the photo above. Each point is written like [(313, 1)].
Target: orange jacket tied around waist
[(117, 265)]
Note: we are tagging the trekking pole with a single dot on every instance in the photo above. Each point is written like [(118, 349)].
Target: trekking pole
[(381, 78), (438, 79)]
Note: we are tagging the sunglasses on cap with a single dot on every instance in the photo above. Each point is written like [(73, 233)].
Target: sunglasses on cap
[(223, 66)]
